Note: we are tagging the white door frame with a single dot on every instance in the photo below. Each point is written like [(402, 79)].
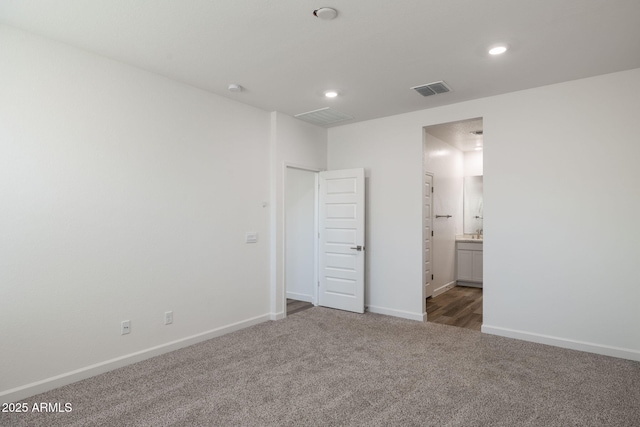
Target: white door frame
[(286, 166), (426, 221)]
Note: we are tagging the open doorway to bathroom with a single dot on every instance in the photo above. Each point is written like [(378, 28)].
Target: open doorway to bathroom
[(453, 223)]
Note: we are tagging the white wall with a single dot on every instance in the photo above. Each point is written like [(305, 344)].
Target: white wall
[(390, 150), (576, 177), (293, 143), (446, 163), (560, 183), (300, 221), (473, 164), (124, 195)]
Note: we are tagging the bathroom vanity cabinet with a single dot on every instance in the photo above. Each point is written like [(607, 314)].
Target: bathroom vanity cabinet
[(469, 263)]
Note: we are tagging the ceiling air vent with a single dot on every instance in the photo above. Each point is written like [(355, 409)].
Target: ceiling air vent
[(432, 88), (323, 117)]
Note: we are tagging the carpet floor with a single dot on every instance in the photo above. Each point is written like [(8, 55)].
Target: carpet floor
[(327, 367)]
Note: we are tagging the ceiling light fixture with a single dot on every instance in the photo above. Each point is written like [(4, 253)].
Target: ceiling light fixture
[(497, 50), (325, 13), (331, 94), (233, 87)]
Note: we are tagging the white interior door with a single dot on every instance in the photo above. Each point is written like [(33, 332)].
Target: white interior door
[(341, 243), (428, 234)]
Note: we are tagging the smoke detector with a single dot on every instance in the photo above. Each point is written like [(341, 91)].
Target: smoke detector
[(325, 13), (233, 87)]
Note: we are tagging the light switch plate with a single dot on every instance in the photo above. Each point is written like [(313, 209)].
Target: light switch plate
[(251, 237)]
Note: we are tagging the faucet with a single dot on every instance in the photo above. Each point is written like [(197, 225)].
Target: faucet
[(479, 233)]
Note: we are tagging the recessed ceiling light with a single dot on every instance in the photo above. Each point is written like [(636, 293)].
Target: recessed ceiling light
[(497, 50), (331, 94)]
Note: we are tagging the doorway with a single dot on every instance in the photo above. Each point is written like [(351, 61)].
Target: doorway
[(324, 231), (300, 247), (452, 151)]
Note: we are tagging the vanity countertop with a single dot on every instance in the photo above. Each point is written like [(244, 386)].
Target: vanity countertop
[(468, 238)]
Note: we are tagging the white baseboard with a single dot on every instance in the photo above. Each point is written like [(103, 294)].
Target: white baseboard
[(277, 316), (606, 350), (469, 284), (300, 297), (396, 313), (443, 289), (22, 392)]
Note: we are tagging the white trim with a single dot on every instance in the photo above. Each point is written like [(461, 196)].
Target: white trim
[(274, 287), (316, 240), (22, 392), (426, 173), (444, 288), (301, 167), (606, 350), (300, 297), (466, 284), (277, 316), (396, 313)]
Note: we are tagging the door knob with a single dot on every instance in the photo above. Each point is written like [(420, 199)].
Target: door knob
[(358, 248)]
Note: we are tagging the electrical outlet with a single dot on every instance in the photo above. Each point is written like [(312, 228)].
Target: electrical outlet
[(125, 327), (168, 317)]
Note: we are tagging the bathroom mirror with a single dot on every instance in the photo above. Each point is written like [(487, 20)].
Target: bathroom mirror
[(472, 204)]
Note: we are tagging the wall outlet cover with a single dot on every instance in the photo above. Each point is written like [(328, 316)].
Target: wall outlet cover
[(125, 327)]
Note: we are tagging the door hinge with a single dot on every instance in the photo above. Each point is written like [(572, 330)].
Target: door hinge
[(432, 277), (432, 188), (431, 233)]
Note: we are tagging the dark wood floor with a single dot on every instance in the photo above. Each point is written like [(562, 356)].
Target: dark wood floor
[(459, 306), (294, 306)]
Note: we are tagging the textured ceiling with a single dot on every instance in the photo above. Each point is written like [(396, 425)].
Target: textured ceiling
[(372, 53)]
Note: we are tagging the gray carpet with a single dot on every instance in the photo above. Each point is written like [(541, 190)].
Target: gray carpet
[(327, 367)]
